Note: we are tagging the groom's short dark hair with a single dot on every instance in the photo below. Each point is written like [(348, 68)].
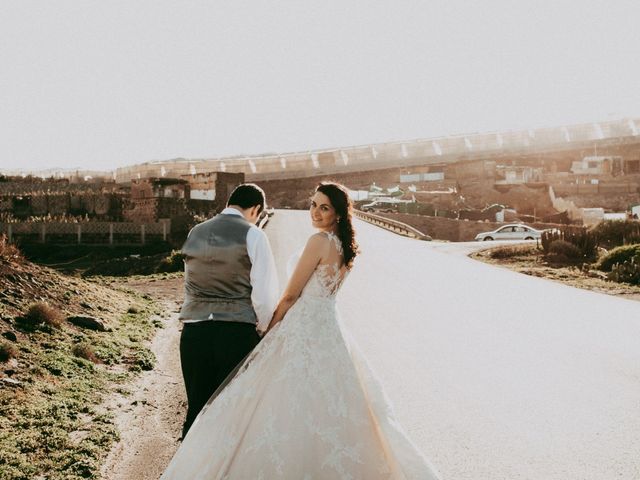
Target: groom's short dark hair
[(247, 195)]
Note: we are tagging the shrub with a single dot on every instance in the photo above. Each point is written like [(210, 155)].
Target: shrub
[(83, 350), (562, 247), (618, 255), (42, 313), (585, 241), (174, 262), (613, 233), (626, 272), (7, 351), (9, 250), (144, 360), (511, 251)]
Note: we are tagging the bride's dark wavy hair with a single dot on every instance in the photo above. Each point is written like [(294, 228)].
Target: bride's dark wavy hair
[(339, 198)]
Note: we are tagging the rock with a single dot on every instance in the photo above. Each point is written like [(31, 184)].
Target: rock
[(9, 335), (91, 323), (86, 305), (11, 382), (12, 365)]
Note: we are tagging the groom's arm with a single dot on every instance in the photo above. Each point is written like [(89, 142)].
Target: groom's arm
[(264, 278)]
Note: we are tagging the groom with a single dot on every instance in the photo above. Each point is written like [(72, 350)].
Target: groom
[(231, 291)]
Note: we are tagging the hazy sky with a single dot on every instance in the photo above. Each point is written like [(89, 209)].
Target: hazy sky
[(101, 84)]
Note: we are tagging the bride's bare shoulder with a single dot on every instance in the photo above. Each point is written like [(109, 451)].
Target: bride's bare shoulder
[(318, 240)]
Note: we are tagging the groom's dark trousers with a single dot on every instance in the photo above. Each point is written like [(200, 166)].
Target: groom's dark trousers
[(209, 351)]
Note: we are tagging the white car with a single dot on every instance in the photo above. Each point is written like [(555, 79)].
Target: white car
[(513, 231), (381, 205)]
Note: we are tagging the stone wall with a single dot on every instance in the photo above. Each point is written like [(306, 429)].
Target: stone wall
[(30, 186), (150, 210), (107, 206)]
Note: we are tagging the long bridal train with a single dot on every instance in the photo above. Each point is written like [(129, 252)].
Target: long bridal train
[(304, 405)]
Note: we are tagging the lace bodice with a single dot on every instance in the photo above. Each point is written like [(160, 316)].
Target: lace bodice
[(327, 278)]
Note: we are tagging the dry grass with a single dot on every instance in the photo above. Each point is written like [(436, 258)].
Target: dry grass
[(512, 251), (8, 250), (41, 313), (85, 351)]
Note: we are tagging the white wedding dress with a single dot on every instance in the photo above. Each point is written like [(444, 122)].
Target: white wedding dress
[(304, 405)]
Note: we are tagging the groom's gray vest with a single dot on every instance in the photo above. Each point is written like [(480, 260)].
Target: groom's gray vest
[(217, 271)]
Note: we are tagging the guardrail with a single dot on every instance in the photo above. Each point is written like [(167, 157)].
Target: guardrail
[(392, 225)]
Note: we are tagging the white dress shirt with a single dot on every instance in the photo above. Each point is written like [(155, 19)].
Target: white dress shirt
[(264, 278)]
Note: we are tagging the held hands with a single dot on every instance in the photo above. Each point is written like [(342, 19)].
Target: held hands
[(273, 323)]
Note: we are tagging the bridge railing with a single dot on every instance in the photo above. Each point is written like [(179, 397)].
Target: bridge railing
[(392, 225), (99, 233)]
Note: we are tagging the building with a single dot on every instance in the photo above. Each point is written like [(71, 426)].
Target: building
[(153, 199), (212, 186), (515, 174), (598, 165)]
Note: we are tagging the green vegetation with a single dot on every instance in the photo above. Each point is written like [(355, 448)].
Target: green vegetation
[(586, 243), (91, 260), (51, 422), (512, 251), (626, 272), (581, 249), (613, 233), (174, 262), (620, 254), (561, 251)]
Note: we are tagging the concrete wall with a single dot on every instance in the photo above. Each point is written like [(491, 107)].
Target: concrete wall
[(295, 192), (440, 228)]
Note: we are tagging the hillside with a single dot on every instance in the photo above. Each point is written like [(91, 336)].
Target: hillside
[(56, 369)]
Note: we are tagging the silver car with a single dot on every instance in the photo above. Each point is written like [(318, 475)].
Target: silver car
[(513, 231)]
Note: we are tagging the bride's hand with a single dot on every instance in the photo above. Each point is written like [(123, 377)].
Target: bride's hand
[(272, 324)]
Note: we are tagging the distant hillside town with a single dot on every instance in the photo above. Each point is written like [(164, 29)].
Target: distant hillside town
[(579, 174)]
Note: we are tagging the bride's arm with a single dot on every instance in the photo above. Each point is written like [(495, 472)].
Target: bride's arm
[(306, 265)]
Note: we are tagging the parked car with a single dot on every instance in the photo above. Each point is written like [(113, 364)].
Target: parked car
[(381, 205), (514, 231)]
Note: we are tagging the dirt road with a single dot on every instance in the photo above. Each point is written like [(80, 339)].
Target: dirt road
[(149, 414)]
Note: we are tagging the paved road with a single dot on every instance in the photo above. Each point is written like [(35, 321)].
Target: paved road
[(494, 374)]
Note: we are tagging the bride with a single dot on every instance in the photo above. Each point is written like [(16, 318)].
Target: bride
[(304, 404)]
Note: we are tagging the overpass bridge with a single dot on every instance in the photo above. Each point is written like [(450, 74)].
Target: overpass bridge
[(432, 151), (494, 374)]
